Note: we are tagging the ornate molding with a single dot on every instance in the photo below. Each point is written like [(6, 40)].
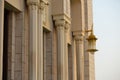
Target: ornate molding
[(43, 4), (78, 35), (44, 10), (62, 20), (60, 23), (33, 2), (67, 27), (33, 7), (62, 17)]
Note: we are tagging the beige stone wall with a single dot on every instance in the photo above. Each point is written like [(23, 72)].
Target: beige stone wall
[(89, 58), (18, 4), (47, 40)]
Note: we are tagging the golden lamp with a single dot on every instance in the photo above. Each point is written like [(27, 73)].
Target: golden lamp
[(91, 42)]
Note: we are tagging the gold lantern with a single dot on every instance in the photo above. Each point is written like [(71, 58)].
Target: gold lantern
[(92, 42)]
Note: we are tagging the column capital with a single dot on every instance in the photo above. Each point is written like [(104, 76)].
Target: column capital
[(78, 35), (60, 23), (67, 26), (43, 4), (33, 2)]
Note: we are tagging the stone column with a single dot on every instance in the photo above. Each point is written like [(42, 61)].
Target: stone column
[(66, 51), (74, 60), (40, 42), (79, 56), (61, 49), (1, 35), (33, 49)]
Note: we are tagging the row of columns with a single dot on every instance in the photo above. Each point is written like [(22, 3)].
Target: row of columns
[(36, 33), (37, 49), (63, 51)]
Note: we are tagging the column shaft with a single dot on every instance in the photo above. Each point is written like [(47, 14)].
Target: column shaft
[(33, 52), (74, 60), (80, 59), (66, 56), (61, 52), (40, 45), (1, 35)]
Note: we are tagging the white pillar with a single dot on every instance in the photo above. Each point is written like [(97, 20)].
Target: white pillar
[(74, 60), (80, 57), (40, 44), (1, 35), (33, 50), (66, 51), (61, 49)]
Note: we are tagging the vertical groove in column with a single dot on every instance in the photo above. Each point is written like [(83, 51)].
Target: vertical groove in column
[(74, 64), (66, 55), (1, 35), (82, 60), (78, 59)]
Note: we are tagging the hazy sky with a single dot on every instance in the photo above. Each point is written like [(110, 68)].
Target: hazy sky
[(106, 15)]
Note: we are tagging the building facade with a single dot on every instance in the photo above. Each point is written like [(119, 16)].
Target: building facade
[(45, 40)]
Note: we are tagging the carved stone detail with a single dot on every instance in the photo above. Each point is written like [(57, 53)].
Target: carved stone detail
[(63, 24), (43, 5), (60, 23), (33, 7), (78, 35), (33, 2), (67, 27)]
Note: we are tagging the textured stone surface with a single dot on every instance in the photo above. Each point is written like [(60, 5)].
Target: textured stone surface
[(46, 40)]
